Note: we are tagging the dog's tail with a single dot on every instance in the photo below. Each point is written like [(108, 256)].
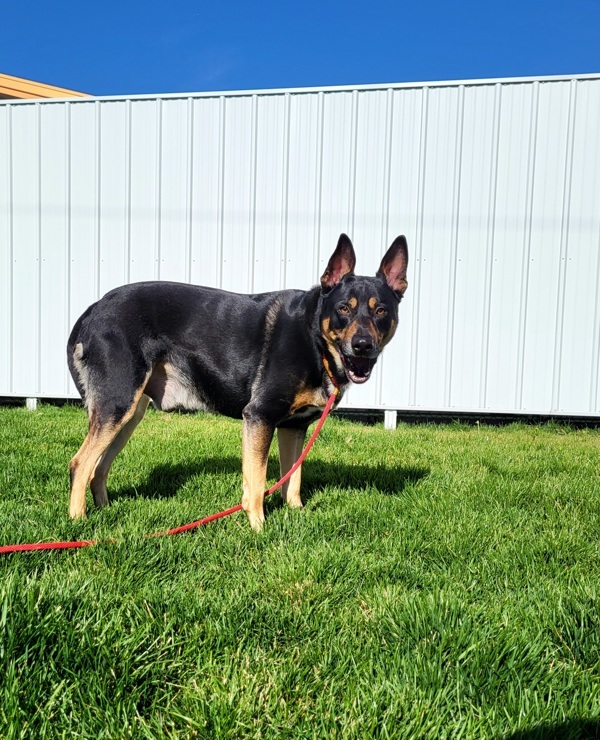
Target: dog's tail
[(76, 359)]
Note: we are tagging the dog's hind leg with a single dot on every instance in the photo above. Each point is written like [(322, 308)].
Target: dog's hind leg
[(100, 474), (290, 448), (102, 432), (82, 465)]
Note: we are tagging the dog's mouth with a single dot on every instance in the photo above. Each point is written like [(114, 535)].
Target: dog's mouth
[(358, 369)]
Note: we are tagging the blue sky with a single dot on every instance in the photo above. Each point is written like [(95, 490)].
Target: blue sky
[(112, 48)]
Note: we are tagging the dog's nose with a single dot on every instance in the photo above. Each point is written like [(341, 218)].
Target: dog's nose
[(362, 343)]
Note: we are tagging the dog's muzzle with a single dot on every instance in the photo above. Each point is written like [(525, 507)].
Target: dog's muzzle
[(360, 358)]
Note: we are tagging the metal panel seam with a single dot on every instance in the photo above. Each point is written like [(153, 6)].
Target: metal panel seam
[(98, 209), (419, 228), (596, 349), (253, 186), (38, 282), (490, 246), (385, 218), (221, 205), (533, 123), (159, 168), (190, 190), (352, 162), (69, 234), (11, 228), (319, 182), (454, 230), (564, 247), (128, 166), (387, 164), (285, 197)]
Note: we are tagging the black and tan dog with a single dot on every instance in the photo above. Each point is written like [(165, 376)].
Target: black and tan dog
[(270, 359)]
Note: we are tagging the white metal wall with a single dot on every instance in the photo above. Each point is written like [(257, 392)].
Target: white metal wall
[(495, 183)]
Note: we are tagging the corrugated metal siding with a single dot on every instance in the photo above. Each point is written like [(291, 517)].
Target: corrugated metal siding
[(495, 183)]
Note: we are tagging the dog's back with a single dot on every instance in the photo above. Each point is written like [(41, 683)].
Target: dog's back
[(191, 347)]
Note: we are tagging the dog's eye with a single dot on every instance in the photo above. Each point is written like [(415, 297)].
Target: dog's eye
[(343, 308), (380, 312)]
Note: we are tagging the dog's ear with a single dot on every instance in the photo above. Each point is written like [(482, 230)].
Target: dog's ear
[(341, 263), (393, 266)]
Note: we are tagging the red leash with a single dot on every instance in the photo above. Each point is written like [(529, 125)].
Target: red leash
[(5, 549)]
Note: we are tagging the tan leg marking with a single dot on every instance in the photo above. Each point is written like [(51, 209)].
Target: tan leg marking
[(290, 448), (82, 466), (256, 440), (100, 474)]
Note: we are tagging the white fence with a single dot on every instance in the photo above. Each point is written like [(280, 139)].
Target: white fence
[(495, 183)]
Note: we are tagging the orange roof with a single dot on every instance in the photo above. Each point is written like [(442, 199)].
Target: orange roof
[(17, 87)]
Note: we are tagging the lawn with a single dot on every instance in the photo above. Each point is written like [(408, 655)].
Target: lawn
[(442, 581)]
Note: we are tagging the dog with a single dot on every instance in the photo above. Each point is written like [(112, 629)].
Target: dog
[(270, 359)]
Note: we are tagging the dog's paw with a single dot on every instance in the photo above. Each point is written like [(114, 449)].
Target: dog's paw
[(77, 512), (256, 521)]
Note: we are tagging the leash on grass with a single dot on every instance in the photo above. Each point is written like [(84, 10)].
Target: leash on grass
[(29, 547)]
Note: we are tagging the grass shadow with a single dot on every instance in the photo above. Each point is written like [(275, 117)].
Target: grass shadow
[(388, 479), (576, 729), (166, 480)]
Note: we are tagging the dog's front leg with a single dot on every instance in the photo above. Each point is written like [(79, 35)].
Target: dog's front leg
[(257, 434), (290, 448)]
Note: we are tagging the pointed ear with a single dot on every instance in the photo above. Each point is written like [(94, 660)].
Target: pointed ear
[(341, 263), (393, 266)]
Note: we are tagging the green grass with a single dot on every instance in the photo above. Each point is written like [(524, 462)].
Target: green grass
[(440, 582)]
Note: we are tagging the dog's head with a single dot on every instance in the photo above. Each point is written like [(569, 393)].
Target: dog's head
[(359, 314)]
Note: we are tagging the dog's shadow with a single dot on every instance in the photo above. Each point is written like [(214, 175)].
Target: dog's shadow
[(166, 480), (388, 479)]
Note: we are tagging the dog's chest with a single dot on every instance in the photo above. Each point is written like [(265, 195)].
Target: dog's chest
[(312, 398), (309, 402)]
